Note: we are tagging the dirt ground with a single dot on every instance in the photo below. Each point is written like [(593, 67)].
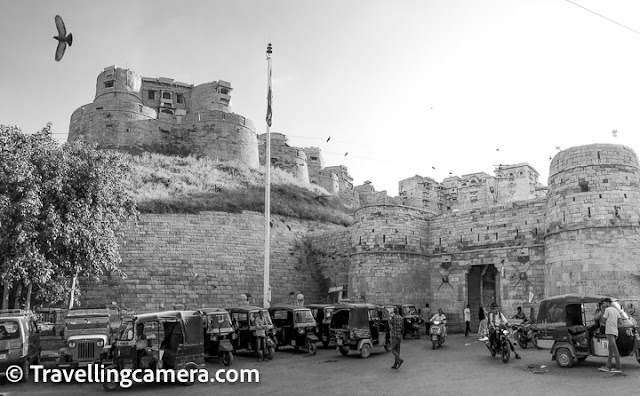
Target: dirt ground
[(462, 365)]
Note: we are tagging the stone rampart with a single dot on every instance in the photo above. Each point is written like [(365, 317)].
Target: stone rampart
[(209, 259)]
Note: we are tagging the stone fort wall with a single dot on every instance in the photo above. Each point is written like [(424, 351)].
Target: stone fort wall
[(190, 261)]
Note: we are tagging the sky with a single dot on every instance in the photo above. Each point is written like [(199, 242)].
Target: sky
[(411, 87)]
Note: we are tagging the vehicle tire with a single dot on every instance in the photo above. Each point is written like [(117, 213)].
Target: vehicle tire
[(111, 386), (564, 357), (506, 354), (365, 351), (522, 341), (189, 366), (344, 351), (534, 340), (227, 358), (25, 371), (434, 344), (312, 348), (271, 353)]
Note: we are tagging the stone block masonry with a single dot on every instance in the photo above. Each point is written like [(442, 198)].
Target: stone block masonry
[(191, 261)]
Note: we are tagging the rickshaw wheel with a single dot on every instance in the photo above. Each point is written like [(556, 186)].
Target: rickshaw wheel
[(227, 358), (506, 354), (111, 386), (312, 348), (189, 366), (564, 357), (344, 351), (365, 351)]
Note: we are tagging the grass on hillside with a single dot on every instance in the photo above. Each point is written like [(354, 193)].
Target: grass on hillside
[(163, 184)]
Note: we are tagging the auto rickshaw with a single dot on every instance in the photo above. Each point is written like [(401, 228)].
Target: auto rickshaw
[(242, 319), (360, 327), (410, 318), (218, 334), (173, 341), (322, 313), (295, 326), (566, 324)]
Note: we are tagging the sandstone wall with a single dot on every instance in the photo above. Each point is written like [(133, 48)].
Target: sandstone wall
[(209, 259)]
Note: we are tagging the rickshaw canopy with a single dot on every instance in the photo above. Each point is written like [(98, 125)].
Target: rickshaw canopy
[(190, 323)]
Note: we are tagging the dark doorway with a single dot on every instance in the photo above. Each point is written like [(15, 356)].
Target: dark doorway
[(482, 282)]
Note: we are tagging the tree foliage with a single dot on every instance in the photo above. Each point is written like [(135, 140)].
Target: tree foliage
[(61, 211)]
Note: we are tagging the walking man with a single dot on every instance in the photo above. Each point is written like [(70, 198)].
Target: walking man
[(396, 337), (426, 317), (467, 320), (611, 315)]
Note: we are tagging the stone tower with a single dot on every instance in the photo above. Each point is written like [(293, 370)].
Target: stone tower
[(592, 240)]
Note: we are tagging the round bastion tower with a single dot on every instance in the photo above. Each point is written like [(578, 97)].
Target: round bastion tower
[(592, 240), (389, 261), (138, 114)]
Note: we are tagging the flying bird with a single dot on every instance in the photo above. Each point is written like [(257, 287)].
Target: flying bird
[(345, 154), (62, 37), (614, 133), (497, 149), (329, 138), (433, 167)]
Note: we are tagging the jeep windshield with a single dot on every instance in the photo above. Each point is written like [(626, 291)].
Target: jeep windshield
[(9, 329), (81, 323)]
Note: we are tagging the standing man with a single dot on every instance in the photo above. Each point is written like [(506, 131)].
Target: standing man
[(611, 315), (426, 317), (261, 334), (396, 337), (467, 320)]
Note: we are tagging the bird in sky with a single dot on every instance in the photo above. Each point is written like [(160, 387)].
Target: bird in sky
[(614, 133), (62, 37), (433, 167), (329, 138), (345, 154), (497, 149)]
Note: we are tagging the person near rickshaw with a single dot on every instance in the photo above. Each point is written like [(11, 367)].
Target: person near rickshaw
[(497, 321), (441, 317), (141, 342), (467, 320), (426, 316), (519, 314), (611, 315), (397, 330), (261, 334)]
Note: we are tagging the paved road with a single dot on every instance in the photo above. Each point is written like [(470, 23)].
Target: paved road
[(461, 366)]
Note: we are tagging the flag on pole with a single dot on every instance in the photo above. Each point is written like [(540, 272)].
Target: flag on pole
[(269, 93)]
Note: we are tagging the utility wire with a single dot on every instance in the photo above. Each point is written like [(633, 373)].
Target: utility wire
[(602, 16)]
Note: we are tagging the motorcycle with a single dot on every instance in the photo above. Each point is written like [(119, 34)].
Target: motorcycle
[(502, 347), (526, 332), (438, 333)]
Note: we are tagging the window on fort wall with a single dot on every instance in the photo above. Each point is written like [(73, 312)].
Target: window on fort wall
[(109, 84), (180, 98), (152, 95), (166, 95)]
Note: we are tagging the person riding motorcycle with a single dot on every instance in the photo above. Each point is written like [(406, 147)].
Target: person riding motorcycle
[(440, 317), (497, 322)]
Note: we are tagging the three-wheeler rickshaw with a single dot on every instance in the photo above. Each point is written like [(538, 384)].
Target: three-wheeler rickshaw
[(566, 324), (243, 320), (410, 318), (160, 340), (295, 326), (360, 327), (218, 334), (322, 313)]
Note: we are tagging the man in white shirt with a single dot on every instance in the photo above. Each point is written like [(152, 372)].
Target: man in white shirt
[(467, 320), (440, 317), (611, 315), (497, 320)]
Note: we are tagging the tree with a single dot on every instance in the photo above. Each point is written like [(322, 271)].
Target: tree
[(61, 212)]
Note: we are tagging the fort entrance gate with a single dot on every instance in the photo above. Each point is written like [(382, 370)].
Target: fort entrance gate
[(482, 282)]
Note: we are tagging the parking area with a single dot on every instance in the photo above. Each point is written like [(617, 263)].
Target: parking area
[(462, 365)]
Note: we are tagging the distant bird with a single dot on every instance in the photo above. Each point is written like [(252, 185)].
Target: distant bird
[(614, 133), (433, 167), (345, 154), (497, 149), (329, 138), (558, 148), (62, 37), (550, 158)]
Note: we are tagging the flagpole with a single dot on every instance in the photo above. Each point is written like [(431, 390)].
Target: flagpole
[(266, 301)]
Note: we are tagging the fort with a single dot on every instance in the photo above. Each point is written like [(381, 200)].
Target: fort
[(474, 238)]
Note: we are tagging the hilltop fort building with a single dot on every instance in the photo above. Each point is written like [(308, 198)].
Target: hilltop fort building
[(474, 238)]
